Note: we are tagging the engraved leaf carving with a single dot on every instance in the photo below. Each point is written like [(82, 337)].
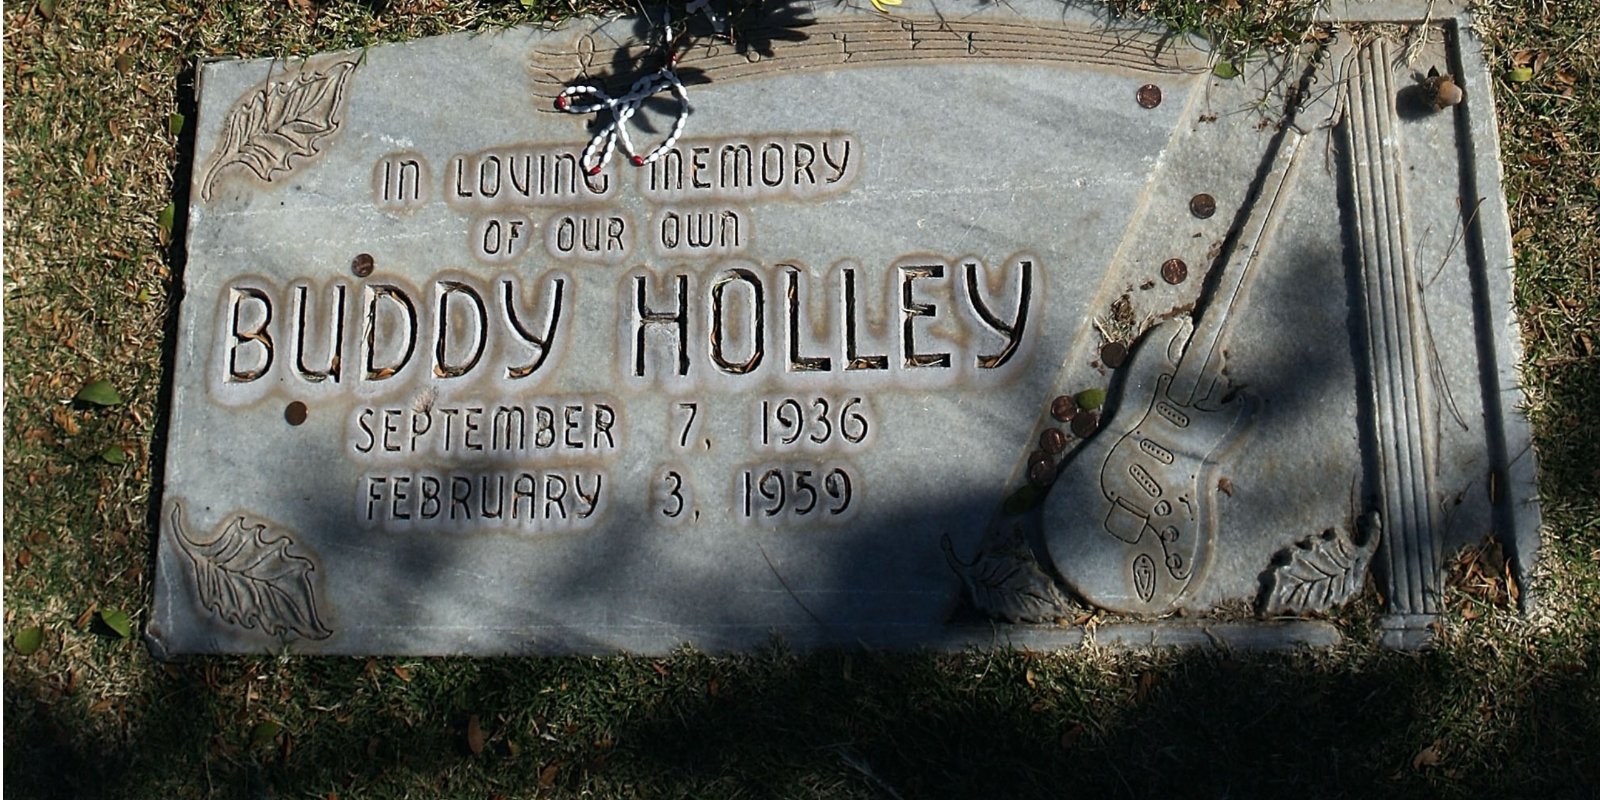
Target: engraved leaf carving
[(252, 580), (1321, 572), (280, 121), (1005, 583)]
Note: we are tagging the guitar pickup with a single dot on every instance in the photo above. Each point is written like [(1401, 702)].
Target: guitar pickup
[(1172, 414), (1146, 481), (1156, 451)]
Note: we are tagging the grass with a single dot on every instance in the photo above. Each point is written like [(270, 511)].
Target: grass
[(1507, 705)]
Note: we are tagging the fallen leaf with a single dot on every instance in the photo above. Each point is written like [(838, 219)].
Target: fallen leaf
[(1225, 70), (1427, 757), (1520, 75), (117, 620), (1147, 681), (1225, 485), (402, 673), (547, 776), (1029, 678), (100, 393), (65, 420), (175, 123), (113, 455), (475, 735), (26, 641), (263, 733), (167, 218), (1091, 399)]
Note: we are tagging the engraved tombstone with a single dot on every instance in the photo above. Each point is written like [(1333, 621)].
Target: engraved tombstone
[(932, 329)]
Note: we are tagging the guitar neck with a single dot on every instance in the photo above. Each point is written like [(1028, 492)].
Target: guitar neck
[(1203, 357)]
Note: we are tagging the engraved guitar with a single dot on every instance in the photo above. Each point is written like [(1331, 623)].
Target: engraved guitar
[(1130, 522)]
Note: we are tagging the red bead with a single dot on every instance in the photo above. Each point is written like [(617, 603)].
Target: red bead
[(638, 161), (561, 101), (594, 170)]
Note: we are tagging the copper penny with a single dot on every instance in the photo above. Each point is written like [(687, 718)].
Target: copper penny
[(1174, 271)]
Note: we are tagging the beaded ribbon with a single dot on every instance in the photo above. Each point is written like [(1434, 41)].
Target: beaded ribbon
[(598, 152)]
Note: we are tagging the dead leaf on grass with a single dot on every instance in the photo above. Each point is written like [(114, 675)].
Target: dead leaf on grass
[(1484, 572), (1427, 757), (1530, 59), (547, 776), (1147, 681), (475, 737)]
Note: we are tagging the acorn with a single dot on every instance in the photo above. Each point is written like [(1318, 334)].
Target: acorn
[(1440, 91)]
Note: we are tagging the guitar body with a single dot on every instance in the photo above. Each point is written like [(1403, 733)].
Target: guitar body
[(1131, 520)]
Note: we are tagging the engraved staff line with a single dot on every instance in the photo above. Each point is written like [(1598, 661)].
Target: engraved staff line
[(1136, 51), (836, 43), (734, 66)]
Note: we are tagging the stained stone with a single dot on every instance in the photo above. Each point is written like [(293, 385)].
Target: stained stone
[(480, 353)]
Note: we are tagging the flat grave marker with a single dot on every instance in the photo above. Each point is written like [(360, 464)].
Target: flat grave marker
[(943, 328)]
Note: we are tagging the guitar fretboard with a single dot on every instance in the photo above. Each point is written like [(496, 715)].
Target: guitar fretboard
[(1202, 360)]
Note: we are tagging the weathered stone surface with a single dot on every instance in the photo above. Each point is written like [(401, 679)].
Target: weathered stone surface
[(439, 389)]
